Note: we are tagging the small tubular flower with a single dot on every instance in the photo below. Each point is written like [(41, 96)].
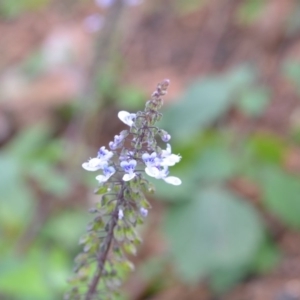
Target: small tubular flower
[(144, 212), (94, 164), (104, 154), (108, 171), (120, 214), (150, 160), (128, 167), (127, 117), (169, 159), (162, 173), (117, 142)]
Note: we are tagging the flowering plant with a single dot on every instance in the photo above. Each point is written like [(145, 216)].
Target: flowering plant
[(102, 266)]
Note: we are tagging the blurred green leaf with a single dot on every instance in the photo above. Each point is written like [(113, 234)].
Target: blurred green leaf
[(131, 98), (281, 195), (65, 228), (52, 181), (254, 102), (215, 164), (16, 199), (267, 147), (28, 142), (214, 231), (291, 70), (267, 257), (39, 275), (204, 102), (250, 10), (12, 8)]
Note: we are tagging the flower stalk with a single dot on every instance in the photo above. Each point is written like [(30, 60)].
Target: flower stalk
[(111, 236)]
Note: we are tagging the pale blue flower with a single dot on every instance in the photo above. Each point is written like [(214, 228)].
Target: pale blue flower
[(117, 142), (104, 154), (150, 160), (128, 167), (108, 171), (144, 212)]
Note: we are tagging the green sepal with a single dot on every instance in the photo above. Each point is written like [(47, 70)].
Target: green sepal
[(118, 253), (129, 248), (101, 190), (144, 203), (130, 215), (135, 184), (130, 233), (119, 233), (126, 265), (139, 220)]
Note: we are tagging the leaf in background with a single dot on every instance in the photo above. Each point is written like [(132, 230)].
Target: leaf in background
[(250, 10), (215, 164), (13, 8), (52, 181), (281, 194), (216, 230), (291, 70), (38, 275), (267, 257), (254, 102), (16, 199), (131, 98), (65, 228), (27, 143), (267, 147), (204, 102)]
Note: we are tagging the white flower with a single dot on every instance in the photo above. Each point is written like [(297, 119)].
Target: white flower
[(107, 173), (169, 159), (104, 154), (127, 117), (94, 164), (144, 212), (162, 173), (128, 167), (120, 214)]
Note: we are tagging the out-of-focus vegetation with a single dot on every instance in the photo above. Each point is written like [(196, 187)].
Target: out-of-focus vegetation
[(235, 122)]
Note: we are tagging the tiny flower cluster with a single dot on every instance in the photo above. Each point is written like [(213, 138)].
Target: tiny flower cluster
[(156, 165), (123, 204)]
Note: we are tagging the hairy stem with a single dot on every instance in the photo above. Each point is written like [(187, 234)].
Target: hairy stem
[(102, 255)]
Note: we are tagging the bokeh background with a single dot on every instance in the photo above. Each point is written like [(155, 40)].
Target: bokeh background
[(231, 231)]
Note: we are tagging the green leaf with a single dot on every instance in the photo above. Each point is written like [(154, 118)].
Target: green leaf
[(215, 164), (16, 199), (250, 10), (291, 70), (204, 102), (216, 230), (254, 102), (101, 190), (267, 147), (281, 194)]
